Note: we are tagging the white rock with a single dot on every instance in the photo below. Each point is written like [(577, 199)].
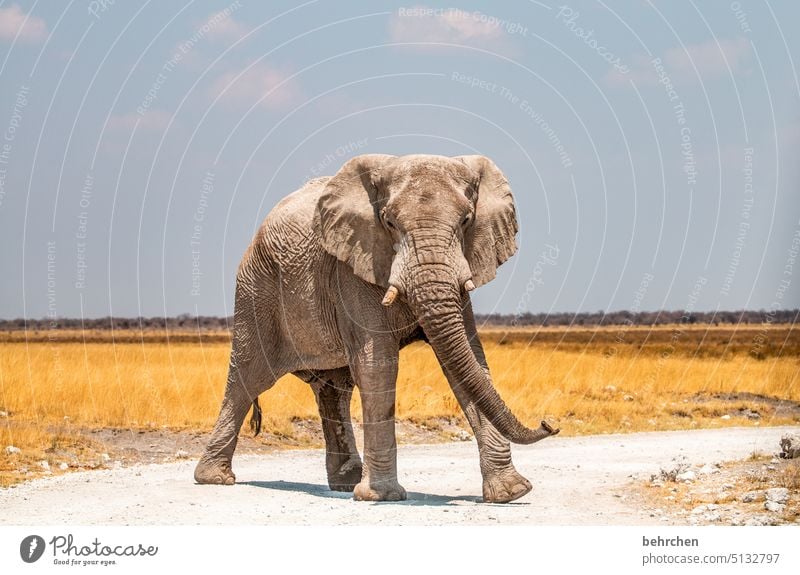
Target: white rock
[(686, 476), (759, 520), (774, 506), (726, 416), (699, 509), (63, 466), (105, 457), (790, 446), (610, 388), (44, 465), (627, 398), (708, 469), (778, 494), (11, 450), (3, 414), (751, 496), (182, 454)]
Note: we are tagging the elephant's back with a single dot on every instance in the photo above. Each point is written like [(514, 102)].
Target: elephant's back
[(285, 238), (297, 209), (287, 234)]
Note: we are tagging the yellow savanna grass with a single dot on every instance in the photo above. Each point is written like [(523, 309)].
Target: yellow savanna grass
[(584, 388)]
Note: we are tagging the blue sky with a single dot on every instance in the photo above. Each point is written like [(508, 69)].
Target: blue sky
[(652, 146)]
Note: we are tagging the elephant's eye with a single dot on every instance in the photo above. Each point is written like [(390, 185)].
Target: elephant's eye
[(465, 221)]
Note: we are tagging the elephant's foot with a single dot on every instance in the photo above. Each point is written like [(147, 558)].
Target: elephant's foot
[(385, 490), (504, 486), (214, 473), (347, 476)]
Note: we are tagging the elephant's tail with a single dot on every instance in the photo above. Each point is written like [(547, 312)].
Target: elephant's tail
[(255, 418)]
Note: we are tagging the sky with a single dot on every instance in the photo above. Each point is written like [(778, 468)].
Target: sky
[(651, 146)]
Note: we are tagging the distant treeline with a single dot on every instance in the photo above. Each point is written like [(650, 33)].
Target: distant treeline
[(640, 318), (211, 323)]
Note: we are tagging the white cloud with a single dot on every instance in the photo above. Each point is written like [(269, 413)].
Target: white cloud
[(679, 63), (641, 71), (709, 58), (218, 27), (151, 120), (450, 26), (14, 21), (258, 81), (226, 28)]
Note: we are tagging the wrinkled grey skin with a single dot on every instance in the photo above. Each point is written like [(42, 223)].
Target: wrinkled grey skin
[(346, 271)]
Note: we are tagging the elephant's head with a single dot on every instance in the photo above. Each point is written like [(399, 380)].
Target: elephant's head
[(429, 229)]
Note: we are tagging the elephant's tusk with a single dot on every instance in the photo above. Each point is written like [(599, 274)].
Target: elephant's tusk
[(388, 299), (468, 285)]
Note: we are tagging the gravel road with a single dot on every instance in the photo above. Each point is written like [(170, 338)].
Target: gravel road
[(577, 480)]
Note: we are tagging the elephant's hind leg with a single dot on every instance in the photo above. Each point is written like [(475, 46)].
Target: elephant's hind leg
[(333, 391), (245, 383)]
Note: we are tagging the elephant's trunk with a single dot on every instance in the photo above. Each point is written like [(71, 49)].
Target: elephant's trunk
[(436, 300)]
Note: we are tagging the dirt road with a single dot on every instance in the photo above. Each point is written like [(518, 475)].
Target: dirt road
[(577, 480)]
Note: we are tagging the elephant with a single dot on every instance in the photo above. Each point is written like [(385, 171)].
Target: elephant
[(341, 275)]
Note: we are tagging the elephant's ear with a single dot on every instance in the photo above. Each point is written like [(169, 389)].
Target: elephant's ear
[(490, 241), (348, 219)]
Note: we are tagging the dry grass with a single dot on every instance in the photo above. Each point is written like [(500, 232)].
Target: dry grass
[(724, 490), (43, 449), (789, 476), (589, 381)]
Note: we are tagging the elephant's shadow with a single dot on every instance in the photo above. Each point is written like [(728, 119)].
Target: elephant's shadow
[(414, 498)]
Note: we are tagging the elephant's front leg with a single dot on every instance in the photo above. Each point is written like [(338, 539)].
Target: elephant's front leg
[(333, 391), (501, 481), (374, 368)]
